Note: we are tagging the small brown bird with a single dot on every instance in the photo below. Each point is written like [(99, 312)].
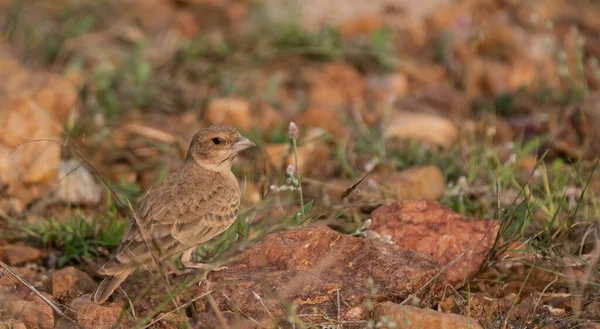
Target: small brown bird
[(189, 207)]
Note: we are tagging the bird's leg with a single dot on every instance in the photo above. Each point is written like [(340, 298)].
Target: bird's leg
[(187, 263)]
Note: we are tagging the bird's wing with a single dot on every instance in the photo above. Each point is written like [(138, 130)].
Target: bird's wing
[(179, 212)]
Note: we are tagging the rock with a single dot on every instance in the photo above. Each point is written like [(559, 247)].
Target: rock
[(334, 86), (505, 78), (418, 183), (363, 26), (427, 227), (91, 315), (311, 150), (76, 184), (70, 283), (27, 168), (316, 14), (265, 118), (34, 314), (18, 254), (326, 119), (480, 307), (388, 87), (309, 267), (9, 280), (12, 324), (229, 111), (405, 316), (52, 92), (574, 130), (426, 128)]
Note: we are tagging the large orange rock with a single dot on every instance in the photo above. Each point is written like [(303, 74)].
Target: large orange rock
[(29, 149), (309, 268), (406, 317), (427, 227)]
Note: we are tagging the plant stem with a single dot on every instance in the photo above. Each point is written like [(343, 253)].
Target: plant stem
[(299, 177)]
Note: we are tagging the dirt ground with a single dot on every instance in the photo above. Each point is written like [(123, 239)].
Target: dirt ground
[(445, 173)]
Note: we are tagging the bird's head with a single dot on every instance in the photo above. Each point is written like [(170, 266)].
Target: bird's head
[(214, 147)]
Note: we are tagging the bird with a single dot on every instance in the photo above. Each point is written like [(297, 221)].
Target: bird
[(195, 203)]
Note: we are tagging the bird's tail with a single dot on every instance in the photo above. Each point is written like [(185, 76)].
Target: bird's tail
[(109, 285)]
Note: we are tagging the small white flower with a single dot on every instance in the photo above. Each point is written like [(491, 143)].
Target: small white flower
[(293, 132), (290, 170)]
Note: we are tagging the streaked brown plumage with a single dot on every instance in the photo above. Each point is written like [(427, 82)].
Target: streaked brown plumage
[(189, 207)]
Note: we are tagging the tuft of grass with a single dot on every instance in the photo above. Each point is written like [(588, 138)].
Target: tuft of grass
[(77, 236)]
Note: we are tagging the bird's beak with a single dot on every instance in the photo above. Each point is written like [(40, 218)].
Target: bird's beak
[(242, 143)]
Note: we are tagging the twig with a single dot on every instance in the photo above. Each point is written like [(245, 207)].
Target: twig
[(218, 313), (338, 304), (55, 308)]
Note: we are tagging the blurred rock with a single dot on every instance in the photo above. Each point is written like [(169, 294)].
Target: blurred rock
[(481, 308), (8, 280), (76, 184), (503, 78), (426, 128), (413, 184), (405, 316), (29, 150), (33, 313), (333, 86), (316, 14), (384, 90), (52, 92), (311, 150), (574, 130), (16, 254), (91, 315), (427, 227), (229, 111), (70, 283), (12, 324), (499, 42), (265, 118), (307, 267), (363, 26), (323, 118)]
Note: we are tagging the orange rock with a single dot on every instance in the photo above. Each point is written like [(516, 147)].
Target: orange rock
[(15, 254), (69, 283), (311, 150), (501, 78), (427, 227), (387, 88), (265, 117), (418, 183), (229, 111), (422, 127), (499, 42), (406, 316), (186, 24), (91, 315), (309, 267), (326, 119), (33, 313), (28, 168), (360, 26)]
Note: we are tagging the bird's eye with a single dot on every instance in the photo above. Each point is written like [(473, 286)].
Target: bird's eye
[(216, 140)]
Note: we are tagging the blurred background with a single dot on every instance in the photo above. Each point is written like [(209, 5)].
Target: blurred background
[(488, 106)]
